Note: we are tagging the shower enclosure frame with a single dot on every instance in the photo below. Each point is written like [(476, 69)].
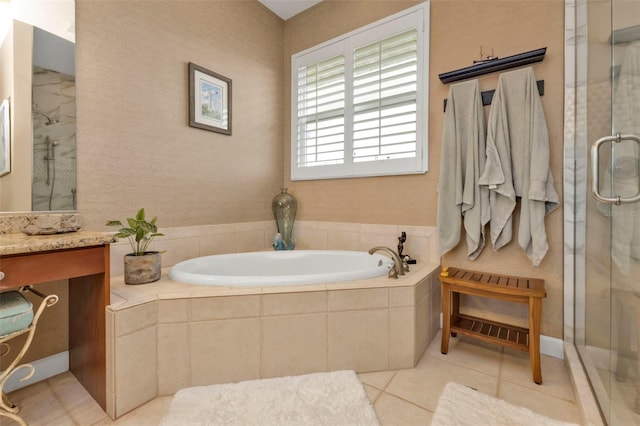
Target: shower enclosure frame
[(593, 395)]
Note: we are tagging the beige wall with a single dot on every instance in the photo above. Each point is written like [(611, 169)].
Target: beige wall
[(135, 148), (15, 187), (458, 28)]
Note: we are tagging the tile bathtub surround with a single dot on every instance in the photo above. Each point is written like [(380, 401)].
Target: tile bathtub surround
[(167, 336), (182, 243), (404, 397)]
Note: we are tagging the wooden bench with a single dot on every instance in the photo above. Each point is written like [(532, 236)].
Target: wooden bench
[(529, 291)]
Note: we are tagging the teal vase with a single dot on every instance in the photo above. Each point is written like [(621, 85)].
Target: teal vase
[(284, 206)]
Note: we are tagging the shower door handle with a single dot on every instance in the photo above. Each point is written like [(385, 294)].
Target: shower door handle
[(595, 148)]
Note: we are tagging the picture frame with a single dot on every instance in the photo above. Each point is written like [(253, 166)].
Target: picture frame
[(5, 138), (209, 100)]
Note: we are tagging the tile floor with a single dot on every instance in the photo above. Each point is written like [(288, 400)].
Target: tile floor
[(400, 397)]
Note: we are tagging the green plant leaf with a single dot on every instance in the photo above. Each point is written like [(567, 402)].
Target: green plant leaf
[(114, 223), (140, 214), (140, 234)]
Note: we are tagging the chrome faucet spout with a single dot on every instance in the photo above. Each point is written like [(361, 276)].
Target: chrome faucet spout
[(398, 268)]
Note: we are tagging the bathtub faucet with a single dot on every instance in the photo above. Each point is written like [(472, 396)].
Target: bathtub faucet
[(399, 268)]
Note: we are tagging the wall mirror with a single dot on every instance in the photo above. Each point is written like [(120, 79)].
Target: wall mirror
[(37, 75)]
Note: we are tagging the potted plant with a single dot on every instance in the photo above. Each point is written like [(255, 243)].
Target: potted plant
[(142, 265)]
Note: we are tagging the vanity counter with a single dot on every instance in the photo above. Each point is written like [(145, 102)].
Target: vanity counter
[(82, 258), (19, 243)]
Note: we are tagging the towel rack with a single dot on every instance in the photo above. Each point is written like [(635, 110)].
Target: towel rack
[(494, 65), (487, 96)]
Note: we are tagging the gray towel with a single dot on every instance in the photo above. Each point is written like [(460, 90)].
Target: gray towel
[(518, 164), (461, 164)]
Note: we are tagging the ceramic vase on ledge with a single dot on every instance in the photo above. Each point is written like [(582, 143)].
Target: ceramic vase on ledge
[(142, 269), (284, 207)]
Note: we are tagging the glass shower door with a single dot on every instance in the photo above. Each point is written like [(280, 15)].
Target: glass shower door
[(625, 213), (610, 340)]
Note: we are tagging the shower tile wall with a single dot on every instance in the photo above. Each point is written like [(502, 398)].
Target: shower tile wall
[(54, 118)]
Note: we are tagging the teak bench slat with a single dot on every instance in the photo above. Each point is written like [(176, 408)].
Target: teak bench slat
[(529, 291)]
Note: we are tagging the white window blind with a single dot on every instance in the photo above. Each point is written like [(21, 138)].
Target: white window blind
[(321, 101), (358, 101), (384, 98)]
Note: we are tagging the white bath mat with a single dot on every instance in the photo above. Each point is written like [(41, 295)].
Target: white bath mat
[(460, 405), (336, 398)]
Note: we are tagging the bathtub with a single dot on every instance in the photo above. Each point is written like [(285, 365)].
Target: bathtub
[(269, 268)]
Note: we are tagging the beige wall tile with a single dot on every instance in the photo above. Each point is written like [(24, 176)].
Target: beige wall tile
[(110, 360), (173, 358), (294, 303), (217, 244), (359, 340), (344, 300), (173, 310), (212, 308), (136, 318), (435, 312), (294, 345), (247, 241), (224, 351), (310, 239), (402, 296), (423, 288), (402, 331), (343, 240), (176, 250), (423, 327), (136, 366)]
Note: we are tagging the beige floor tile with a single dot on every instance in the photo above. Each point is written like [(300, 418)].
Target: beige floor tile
[(423, 386), (516, 368), (42, 409), (392, 411), (372, 393), (377, 379), (469, 353), (540, 402)]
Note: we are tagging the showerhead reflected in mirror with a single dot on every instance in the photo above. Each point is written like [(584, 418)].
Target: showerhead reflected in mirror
[(43, 173)]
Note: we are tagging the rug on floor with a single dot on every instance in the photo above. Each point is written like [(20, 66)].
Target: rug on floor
[(461, 405), (335, 398)]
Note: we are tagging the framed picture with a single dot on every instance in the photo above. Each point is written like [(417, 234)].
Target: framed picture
[(209, 100), (5, 138)]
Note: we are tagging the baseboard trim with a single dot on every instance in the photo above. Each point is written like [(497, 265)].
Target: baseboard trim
[(552, 346), (44, 368)]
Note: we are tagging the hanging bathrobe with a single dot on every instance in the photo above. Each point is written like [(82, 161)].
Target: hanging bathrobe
[(518, 164), (461, 164)]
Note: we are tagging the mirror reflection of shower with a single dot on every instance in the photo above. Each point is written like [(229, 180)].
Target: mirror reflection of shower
[(54, 140), (50, 160), (53, 116)]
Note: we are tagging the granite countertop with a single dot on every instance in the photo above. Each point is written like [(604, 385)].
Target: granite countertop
[(19, 243)]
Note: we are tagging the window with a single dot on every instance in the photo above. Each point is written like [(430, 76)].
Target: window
[(358, 103)]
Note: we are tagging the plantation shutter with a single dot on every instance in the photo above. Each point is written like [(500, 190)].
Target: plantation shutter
[(385, 76), (321, 113), (359, 101)]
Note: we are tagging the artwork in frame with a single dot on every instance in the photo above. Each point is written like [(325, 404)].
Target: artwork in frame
[(5, 138), (209, 100)]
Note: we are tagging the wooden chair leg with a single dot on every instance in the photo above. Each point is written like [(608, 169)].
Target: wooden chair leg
[(535, 317), (446, 317)]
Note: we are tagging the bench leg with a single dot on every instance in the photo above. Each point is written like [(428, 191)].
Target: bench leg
[(446, 317), (535, 317)]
